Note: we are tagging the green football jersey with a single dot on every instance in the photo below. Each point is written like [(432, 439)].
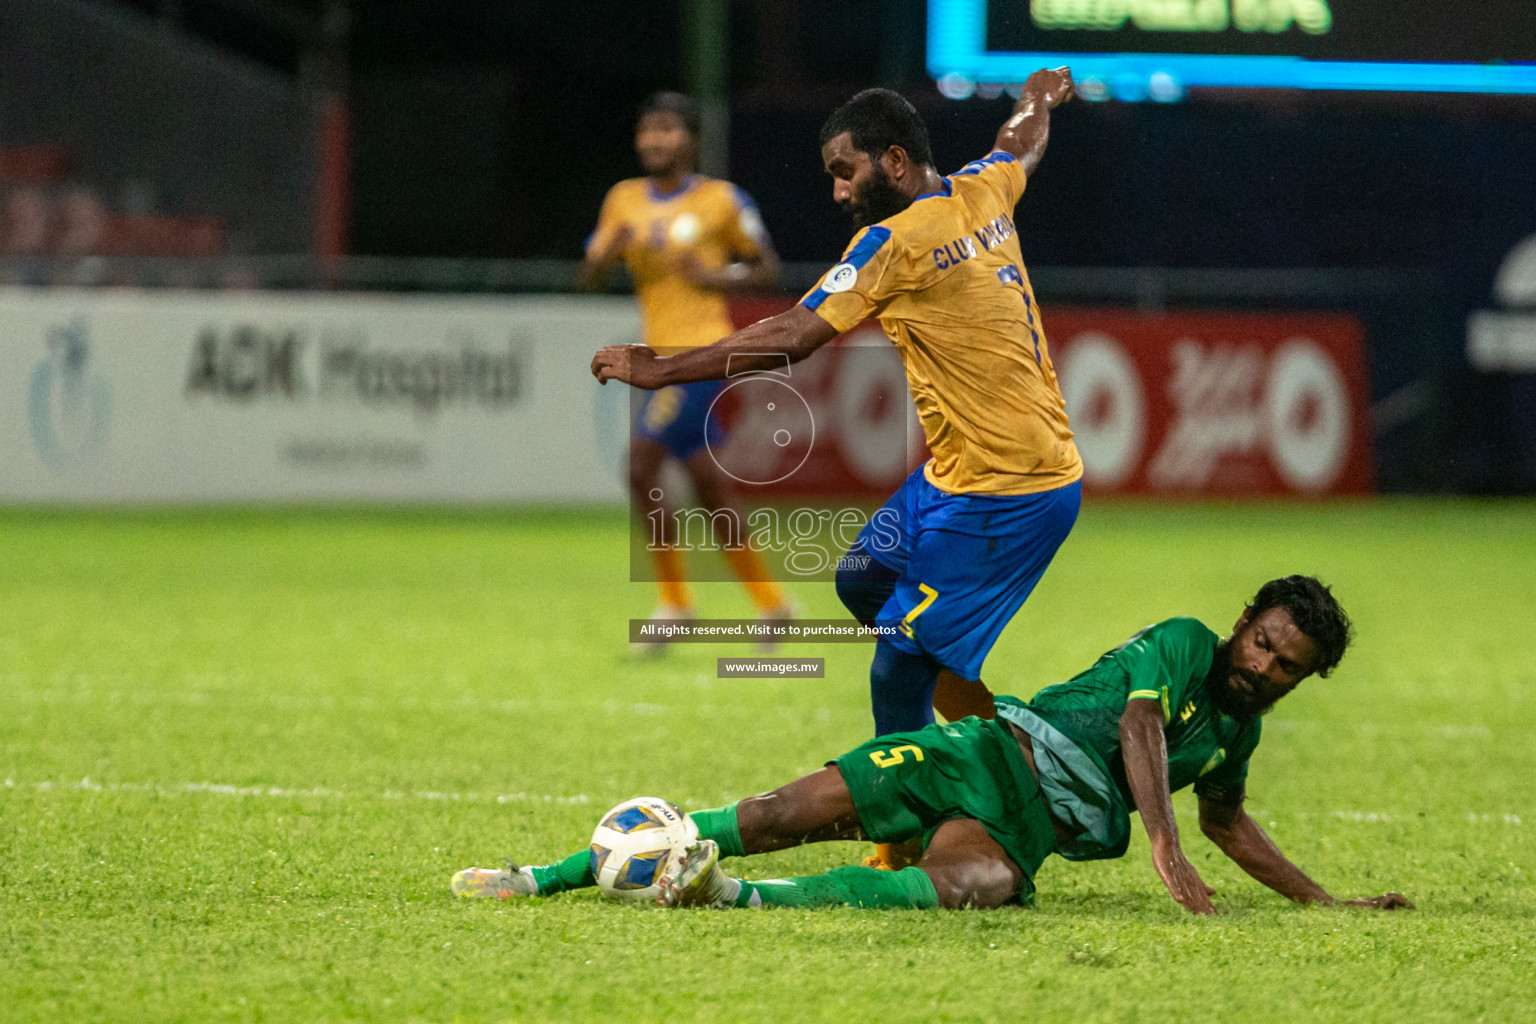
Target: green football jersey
[(1075, 727)]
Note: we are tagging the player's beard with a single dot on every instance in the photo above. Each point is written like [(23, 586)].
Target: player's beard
[(1230, 702), (878, 199)]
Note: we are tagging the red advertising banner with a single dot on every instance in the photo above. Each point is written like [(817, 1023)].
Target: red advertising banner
[(1179, 404), (854, 432), (1232, 404)]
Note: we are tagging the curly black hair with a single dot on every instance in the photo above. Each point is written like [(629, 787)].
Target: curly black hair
[(673, 103), (876, 120), (1315, 611)]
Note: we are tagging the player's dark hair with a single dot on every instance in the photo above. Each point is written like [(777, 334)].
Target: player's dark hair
[(876, 120), (673, 103), (1315, 611)]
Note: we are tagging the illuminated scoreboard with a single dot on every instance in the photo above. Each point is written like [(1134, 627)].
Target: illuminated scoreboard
[(1134, 49)]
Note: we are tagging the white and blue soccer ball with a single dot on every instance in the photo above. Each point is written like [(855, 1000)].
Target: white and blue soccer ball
[(637, 843)]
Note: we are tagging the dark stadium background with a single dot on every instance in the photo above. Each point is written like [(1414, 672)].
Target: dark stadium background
[(492, 130)]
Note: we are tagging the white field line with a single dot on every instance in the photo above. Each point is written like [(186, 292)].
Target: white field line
[(1375, 817), (1267, 818), (516, 707), (220, 789)]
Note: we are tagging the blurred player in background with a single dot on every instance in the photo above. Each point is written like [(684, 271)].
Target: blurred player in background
[(937, 262), (687, 240)]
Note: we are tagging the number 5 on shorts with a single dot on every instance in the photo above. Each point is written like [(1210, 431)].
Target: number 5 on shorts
[(893, 757)]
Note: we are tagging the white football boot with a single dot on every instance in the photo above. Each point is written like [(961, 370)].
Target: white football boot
[(502, 883), (783, 613), (697, 881), (663, 613)]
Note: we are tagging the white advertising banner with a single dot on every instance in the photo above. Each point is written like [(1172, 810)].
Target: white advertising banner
[(207, 397)]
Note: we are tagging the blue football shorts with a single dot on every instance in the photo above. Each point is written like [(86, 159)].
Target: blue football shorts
[(679, 418), (967, 564)]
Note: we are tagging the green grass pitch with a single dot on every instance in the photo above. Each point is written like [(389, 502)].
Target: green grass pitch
[(242, 752)]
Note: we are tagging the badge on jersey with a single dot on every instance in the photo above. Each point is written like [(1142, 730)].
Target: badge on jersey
[(840, 278), (685, 229)]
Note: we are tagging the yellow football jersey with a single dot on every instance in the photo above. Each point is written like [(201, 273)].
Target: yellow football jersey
[(706, 219), (946, 280)]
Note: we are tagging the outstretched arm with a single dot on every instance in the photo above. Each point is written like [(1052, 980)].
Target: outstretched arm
[(1025, 133), (765, 345), (1145, 753), (1239, 836)]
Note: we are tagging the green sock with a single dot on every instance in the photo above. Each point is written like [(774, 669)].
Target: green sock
[(720, 825), (574, 872), (845, 887)]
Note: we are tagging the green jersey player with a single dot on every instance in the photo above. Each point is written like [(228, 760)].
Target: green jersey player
[(990, 799)]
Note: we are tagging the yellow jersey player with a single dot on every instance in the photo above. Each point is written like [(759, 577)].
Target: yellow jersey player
[(937, 262), (687, 240)]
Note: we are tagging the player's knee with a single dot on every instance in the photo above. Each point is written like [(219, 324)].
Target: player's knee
[(977, 884), (642, 477), (862, 600), (863, 584), (709, 485)]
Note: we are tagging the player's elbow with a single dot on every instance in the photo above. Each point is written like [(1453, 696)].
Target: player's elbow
[(1140, 722), (590, 275), (1216, 832), (798, 332), (769, 271), (1220, 825)]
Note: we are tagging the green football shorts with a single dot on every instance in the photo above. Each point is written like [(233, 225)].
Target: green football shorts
[(906, 784)]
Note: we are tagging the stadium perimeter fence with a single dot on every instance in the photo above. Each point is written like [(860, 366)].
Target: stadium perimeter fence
[(1412, 335)]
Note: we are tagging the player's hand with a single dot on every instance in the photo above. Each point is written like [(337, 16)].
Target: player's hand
[(1179, 875), (1054, 85), (687, 266), (612, 248), (631, 364), (1390, 901)]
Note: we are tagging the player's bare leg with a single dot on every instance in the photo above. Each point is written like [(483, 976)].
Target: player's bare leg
[(714, 492), (646, 459), (955, 697), (968, 868), (815, 808)]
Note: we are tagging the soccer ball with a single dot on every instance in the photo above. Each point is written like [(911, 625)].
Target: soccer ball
[(637, 843)]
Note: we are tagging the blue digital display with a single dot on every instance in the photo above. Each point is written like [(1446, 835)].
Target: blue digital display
[(1136, 49)]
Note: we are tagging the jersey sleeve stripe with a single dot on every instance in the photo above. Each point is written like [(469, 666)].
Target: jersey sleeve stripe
[(859, 255), (997, 156), (1147, 694)]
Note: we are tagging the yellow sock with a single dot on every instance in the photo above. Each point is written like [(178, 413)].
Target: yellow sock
[(670, 577), (753, 574), (895, 856)]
